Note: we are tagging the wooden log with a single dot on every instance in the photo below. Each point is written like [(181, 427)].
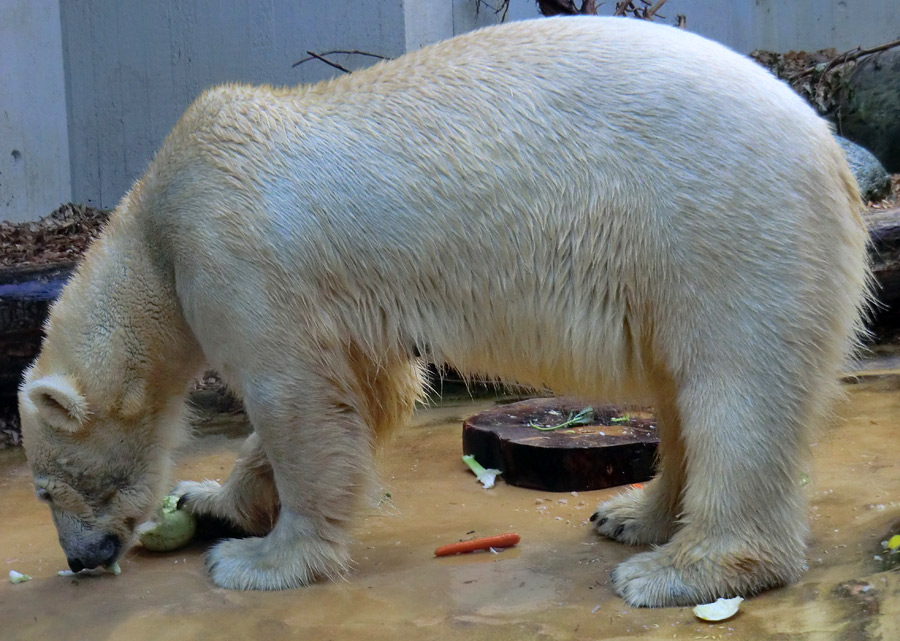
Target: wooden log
[(884, 232), (25, 297)]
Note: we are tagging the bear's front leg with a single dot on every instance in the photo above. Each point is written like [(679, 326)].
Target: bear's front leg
[(320, 452), (247, 501)]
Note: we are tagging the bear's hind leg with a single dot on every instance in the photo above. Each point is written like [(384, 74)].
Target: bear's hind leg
[(247, 501), (648, 516)]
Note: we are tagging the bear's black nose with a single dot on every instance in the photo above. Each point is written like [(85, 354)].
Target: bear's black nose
[(104, 552)]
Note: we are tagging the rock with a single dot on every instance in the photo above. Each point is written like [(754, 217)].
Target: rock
[(869, 113), (874, 181)]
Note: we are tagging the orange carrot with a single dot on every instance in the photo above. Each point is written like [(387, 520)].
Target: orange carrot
[(638, 486), (499, 541)]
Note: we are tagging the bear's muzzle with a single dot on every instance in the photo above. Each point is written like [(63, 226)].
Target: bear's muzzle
[(104, 552)]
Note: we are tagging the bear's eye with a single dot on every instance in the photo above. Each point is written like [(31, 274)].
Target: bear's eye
[(108, 497), (43, 495)]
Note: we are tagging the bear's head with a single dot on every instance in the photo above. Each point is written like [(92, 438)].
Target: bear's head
[(99, 467)]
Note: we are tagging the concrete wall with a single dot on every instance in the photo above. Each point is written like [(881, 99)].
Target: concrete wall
[(130, 67), (779, 25), (133, 67), (34, 154), (774, 25)]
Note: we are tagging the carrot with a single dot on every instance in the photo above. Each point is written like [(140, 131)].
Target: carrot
[(638, 486), (499, 541)]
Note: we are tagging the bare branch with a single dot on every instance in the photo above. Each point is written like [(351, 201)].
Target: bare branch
[(567, 7), (502, 10), (649, 14), (556, 7), (349, 52), (313, 54), (857, 53)]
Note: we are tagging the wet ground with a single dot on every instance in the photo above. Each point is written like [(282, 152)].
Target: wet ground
[(554, 585)]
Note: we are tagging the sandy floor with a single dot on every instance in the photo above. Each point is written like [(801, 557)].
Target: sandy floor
[(554, 585)]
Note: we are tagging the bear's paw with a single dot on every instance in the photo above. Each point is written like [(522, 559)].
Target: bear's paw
[(264, 563), (682, 573)]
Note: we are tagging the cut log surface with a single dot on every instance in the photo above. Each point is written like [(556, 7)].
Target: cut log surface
[(617, 447)]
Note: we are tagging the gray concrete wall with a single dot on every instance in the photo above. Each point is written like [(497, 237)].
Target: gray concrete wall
[(774, 25), (134, 66), (131, 67), (34, 154), (799, 25)]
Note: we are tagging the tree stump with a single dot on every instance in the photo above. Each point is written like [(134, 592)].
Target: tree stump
[(617, 447)]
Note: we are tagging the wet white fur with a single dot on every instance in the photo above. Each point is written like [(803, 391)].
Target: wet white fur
[(602, 207)]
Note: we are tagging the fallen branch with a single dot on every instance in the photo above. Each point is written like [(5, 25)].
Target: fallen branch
[(856, 54), (820, 76)]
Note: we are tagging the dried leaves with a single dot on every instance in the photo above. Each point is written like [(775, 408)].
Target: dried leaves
[(810, 74), (821, 77), (61, 236), (892, 200)]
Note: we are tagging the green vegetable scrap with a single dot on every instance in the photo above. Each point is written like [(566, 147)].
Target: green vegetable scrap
[(584, 417), (172, 528), (487, 477), (18, 577), (111, 569)]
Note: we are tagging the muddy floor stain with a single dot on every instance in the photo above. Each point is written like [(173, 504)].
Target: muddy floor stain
[(554, 585)]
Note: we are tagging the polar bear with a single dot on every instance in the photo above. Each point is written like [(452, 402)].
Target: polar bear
[(601, 207)]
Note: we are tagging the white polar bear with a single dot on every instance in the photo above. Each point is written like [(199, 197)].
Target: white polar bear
[(602, 207)]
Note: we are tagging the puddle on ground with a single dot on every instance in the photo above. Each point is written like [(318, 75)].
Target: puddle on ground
[(554, 585)]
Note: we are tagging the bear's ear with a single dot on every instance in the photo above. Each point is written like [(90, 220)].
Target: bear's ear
[(58, 403)]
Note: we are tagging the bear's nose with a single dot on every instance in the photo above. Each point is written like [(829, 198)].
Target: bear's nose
[(104, 553)]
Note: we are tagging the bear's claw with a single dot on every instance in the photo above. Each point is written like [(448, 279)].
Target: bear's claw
[(628, 518)]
